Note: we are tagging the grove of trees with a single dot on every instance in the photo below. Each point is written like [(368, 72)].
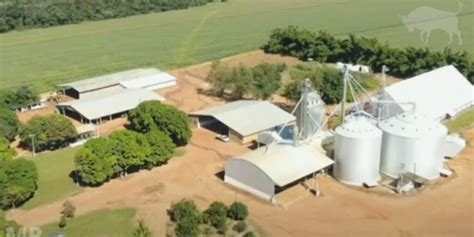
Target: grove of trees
[(18, 15), (214, 221), (154, 115), (259, 82), (47, 132), (19, 97), (104, 158), (403, 62)]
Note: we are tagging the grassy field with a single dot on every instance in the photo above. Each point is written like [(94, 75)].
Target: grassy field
[(102, 223), (464, 120), (45, 57), (54, 182)]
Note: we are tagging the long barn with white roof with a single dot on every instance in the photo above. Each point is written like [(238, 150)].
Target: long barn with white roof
[(441, 93)]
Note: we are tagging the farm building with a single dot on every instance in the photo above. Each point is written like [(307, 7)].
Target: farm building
[(437, 94), (266, 171), (148, 78), (242, 120), (108, 105)]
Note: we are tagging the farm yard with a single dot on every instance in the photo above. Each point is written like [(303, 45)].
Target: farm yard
[(43, 58), (222, 106), (151, 193)]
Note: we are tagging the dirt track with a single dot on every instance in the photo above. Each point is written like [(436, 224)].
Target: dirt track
[(444, 210)]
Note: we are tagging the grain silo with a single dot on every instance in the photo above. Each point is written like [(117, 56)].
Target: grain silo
[(412, 143), (357, 151)]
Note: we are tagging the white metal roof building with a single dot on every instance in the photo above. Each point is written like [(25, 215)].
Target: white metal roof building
[(438, 93), (92, 109), (243, 120), (261, 171), (145, 78)]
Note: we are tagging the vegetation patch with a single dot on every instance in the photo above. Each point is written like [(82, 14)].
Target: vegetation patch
[(216, 220), (462, 121), (55, 169), (106, 222)]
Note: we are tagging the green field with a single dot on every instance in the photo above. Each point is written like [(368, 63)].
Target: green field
[(102, 223), (463, 121), (54, 182), (44, 57)]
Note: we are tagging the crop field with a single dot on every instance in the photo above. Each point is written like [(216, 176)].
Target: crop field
[(44, 57)]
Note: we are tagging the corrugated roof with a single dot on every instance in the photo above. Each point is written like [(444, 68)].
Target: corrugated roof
[(110, 79), (248, 116), (435, 93), (285, 163), (98, 107), (149, 80)]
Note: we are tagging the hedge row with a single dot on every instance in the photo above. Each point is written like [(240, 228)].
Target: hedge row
[(403, 62), (17, 16)]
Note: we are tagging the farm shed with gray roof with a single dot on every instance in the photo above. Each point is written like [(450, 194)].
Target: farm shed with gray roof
[(94, 109), (144, 78), (242, 120)]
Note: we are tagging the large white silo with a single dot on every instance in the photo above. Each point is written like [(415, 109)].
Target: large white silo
[(357, 151), (412, 143)]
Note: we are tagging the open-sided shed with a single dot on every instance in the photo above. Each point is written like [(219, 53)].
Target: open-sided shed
[(242, 120), (265, 170), (94, 109)]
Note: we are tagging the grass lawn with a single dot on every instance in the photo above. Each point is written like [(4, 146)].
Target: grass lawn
[(54, 182), (44, 57), (463, 121), (102, 223)]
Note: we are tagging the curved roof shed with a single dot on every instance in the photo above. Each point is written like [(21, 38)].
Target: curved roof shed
[(259, 171)]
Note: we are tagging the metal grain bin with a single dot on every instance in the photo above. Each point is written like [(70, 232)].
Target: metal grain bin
[(412, 143)]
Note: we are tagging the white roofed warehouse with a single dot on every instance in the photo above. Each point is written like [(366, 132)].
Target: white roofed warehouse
[(437, 94), (108, 105), (145, 78), (242, 120)]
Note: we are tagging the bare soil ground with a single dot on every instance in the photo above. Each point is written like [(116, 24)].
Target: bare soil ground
[(445, 209)]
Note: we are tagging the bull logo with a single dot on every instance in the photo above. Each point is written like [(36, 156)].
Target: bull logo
[(426, 19)]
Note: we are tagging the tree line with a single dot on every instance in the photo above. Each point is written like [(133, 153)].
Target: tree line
[(403, 62), (214, 221), (158, 129), (20, 15), (20, 97)]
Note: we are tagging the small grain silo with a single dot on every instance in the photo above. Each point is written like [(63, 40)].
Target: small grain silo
[(358, 144), (412, 143)]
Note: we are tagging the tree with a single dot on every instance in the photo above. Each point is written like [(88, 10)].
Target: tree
[(241, 79), (216, 215), (266, 79), (238, 211), (9, 123), (62, 222), (6, 152), (220, 78), (332, 87), (17, 182), (50, 132), (20, 97), (153, 115), (68, 209), (183, 209), (130, 148), (188, 227), (240, 226), (141, 230), (95, 162), (162, 148), (249, 234)]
